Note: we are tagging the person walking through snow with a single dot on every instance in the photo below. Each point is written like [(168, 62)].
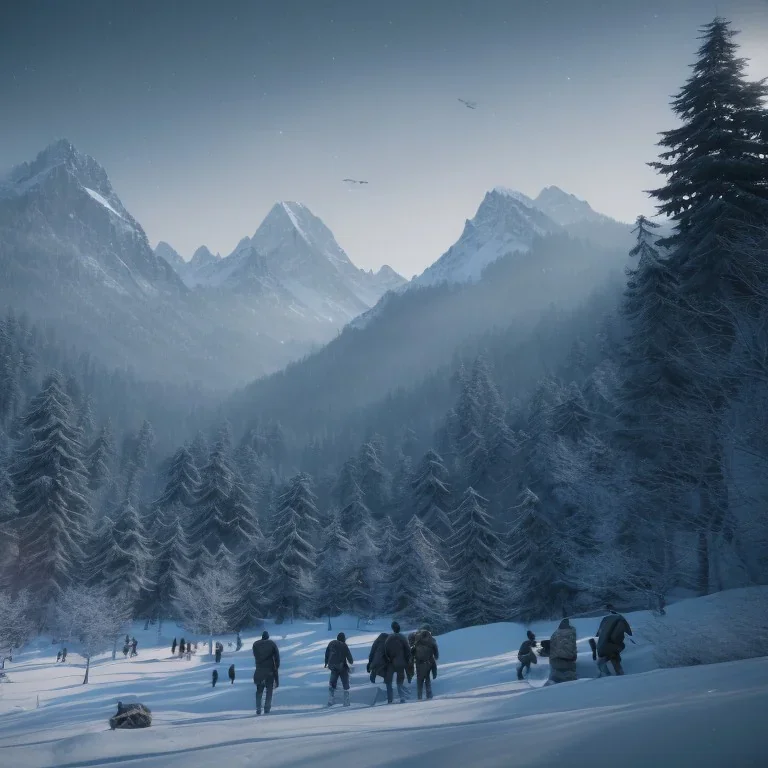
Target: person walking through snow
[(426, 654), (231, 674), (182, 647), (173, 647), (267, 658), (610, 642), (526, 655), (214, 678), (398, 655), (562, 654), (377, 662), (338, 659)]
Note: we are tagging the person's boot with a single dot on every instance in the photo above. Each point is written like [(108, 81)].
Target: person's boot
[(331, 696), (519, 671), (617, 668), (346, 698), (602, 665)]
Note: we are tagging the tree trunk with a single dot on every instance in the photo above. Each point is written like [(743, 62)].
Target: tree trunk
[(114, 649), (87, 668), (210, 645), (159, 626), (703, 563)]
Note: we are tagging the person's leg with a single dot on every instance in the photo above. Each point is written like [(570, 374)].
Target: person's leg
[(259, 694), (345, 685), (419, 681), (332, 687), (401, 685), (388, 675), (616, 662), (602, 665), (428, 682), (268, 701)]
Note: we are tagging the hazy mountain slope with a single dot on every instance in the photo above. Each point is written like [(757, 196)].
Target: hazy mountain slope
[(411, 333)]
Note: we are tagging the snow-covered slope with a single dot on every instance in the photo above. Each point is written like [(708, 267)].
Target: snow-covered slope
[(506, 222), (172, 256), (707, 715)]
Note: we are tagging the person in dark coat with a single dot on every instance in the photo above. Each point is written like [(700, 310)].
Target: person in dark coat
[(267, 658), (526, 655), (398, 655), (182, 647), (134, 643), (426, 654), (125, 651), (173, 647), (219, 649), (377, 662), (338, 658), (610, 642), (63, 655), (214, 678), (231, 674), (562, 654), (58, 657)]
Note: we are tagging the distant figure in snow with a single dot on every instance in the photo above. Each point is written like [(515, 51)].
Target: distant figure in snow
[(398, 655), (231, 674), (610, 641), (173, 647), (267, 658), (239, 643), (127, 640), (182, 647), (526, 655), (214, 678), (562, 654), (58, 657), (377, 662), (134, 643), (63, 655), (426, 654), (219, 651), (125, 651), (338, 659)]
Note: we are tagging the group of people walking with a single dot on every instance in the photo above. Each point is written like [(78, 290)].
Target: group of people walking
[(561, 649)]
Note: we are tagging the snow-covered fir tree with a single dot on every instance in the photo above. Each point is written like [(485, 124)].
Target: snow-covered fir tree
[(362, 574), (100, 459), (418, 588), (182, 482), (211, 518), (251, 602), (478, 592), (331, 560), (8, 526), (51, 484), (432, 496), (373, 477), (292, 556)]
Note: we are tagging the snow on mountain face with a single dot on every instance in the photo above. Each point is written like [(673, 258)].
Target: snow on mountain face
[(293, 256), (171, 255), (61, 209), (565, 208), (506, 221)]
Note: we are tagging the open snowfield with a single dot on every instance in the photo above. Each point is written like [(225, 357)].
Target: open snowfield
[(709, 715)]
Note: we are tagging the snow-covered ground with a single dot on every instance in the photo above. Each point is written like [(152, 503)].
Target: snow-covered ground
[(709, 715)]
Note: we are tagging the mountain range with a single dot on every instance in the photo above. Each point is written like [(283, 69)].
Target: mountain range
[(73, 258)]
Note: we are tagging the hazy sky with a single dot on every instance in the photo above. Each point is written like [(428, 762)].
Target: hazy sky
[(206, 113)]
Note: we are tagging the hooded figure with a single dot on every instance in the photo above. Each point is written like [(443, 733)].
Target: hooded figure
[(562, 654), (398, 655), (231, 674), (267, 658), (182, 647), (610, 642), (338, 658), (426, 654), (173, 647), (214, 678), (377, 662), (526, 655)]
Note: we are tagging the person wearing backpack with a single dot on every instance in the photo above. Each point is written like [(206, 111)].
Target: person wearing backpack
[(267, 658), (426, 654), (338, 659), (398, 655), (526, 655), (610, 642), (377, 663)]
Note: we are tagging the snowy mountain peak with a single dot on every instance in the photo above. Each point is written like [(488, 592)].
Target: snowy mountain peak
[(170, 254), (565, 208), (202, 256), (506, 221)]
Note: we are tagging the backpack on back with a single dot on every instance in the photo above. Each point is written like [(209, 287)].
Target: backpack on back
[(422, 649)]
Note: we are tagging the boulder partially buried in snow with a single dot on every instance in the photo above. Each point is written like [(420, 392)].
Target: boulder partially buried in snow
[(131, 716)]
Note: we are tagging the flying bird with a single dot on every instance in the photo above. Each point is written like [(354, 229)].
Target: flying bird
[(469, 104), (355, 181)]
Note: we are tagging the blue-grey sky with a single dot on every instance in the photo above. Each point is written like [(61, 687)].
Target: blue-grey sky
[(206, 113)]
